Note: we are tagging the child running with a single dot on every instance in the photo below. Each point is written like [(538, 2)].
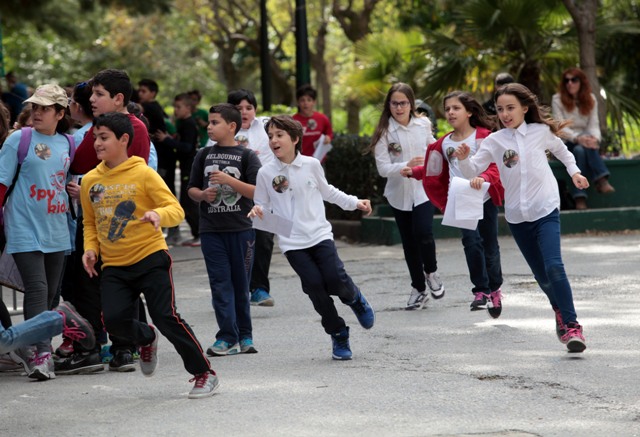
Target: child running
[(125, 202), (482, 252), (531, 195), (294, 187), (401, 140)]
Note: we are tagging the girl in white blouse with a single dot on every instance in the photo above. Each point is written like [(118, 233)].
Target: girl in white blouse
[(531, 195), (401, 140)]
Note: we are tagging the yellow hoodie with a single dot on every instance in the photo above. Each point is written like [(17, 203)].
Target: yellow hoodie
[(113, 199)]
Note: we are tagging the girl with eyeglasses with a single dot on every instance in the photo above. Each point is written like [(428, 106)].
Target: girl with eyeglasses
[(576, 103), (400, 140)]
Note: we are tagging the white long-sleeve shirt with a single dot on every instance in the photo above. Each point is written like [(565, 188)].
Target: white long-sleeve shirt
[(300, 199), (581, 124), (256, 139), (394, 150), (531, 190)]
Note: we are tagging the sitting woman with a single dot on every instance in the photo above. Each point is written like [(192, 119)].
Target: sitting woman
[(575, 102)]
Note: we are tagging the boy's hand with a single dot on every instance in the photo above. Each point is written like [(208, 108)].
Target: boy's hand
[(406, 172), (89, 259), (462, 151), (220, 177), (476, 182), (159, 136), (364, 205), (256, 211), (209, 194), (151, 217), (74, 190), (580, 181)]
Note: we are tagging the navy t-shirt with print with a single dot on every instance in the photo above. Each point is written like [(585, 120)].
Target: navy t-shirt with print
[(228, 212)]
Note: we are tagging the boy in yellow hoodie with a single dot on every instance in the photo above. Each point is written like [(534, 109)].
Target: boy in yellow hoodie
[(125, 204)]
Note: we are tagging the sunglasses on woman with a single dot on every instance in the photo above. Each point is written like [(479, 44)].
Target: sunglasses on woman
[(571, 79)]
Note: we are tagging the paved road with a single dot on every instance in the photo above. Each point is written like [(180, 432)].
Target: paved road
[(443, 371)]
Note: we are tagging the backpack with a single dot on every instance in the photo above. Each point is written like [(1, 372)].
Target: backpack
[(23, 150)]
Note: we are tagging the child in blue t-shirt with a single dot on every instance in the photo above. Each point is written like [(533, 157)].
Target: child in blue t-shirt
[(35, 216)]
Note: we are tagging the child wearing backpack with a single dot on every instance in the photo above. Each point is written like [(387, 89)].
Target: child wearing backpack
[(35, 214)]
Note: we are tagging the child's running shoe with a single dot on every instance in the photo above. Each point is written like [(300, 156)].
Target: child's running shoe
[(41, 367), (435, 285), (417, 300), (341, 348), (363, 311), (494, 304), (65, 349), (573, 338), (105, 354), (222, 348), (247, 347), (261, 297), (561, 328), (204, 385), (480, 301), (75, 327), (149, 355)]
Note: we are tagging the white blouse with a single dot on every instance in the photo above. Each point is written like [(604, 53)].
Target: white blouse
[(297, 192), (581, 124), (394, 150), (531, 190)]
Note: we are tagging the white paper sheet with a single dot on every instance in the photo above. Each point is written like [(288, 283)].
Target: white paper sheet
[(464, 204), (321, 148), (273, 223)]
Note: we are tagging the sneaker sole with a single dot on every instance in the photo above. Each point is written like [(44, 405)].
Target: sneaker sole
[(438, 294), (207, 394), (36, 374), (337, 358), (265, 303), (125, 368), (83, 370), (212, 353), (494, 312), (249, 350), (576, 345)]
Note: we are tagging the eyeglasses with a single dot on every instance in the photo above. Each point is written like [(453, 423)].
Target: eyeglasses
[(402, 104), (571, 79)]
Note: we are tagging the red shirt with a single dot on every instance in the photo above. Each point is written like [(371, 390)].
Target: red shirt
[(313, 127), (86, 159)]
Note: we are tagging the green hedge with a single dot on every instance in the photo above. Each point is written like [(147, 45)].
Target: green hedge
[(353, 172)]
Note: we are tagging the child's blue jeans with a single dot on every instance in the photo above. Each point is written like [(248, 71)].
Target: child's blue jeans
[(539, 242), (34, 330)]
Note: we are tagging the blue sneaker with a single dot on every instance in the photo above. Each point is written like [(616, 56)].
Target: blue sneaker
[(222, 348), (363, 311), (341, 348), (105, 354), (247, 347), (261, 297)]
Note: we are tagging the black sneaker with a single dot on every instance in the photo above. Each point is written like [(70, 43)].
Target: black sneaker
[(479, 301), (122, 361), (75, 327), (79, 362)]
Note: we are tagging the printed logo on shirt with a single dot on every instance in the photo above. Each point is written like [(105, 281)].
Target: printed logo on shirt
[(434, 165), (510, 158), (280, 183), (395, 149), (96, 193), (42, 151), (312, 124), (121, 216), (242, 140), (451, 151)]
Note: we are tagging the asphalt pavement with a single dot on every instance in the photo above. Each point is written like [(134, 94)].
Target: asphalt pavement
[(442, 371)]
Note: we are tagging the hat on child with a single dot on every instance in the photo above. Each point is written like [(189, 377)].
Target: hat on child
[(49, 94)]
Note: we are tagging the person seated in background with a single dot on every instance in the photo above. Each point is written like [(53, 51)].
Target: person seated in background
[(576, 102)]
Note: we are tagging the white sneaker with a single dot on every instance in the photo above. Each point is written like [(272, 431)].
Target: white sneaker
[(417, 300), (7, 364), (435, 285), (204, 386), (41, 367)]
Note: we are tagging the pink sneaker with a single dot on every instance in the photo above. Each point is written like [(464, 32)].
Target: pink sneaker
[(573, 338), (65, 349), (494, 304), (561, 328)]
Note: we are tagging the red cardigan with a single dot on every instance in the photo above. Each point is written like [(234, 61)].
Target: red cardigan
[(436, 184)]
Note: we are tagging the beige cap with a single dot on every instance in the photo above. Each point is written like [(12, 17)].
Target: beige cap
[(49, 94)]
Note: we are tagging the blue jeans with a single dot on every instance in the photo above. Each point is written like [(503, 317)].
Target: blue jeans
[(590, 164), (228, 257), (482, 251), (416, 233), (32, 331), (539, 242), (322, 275)]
